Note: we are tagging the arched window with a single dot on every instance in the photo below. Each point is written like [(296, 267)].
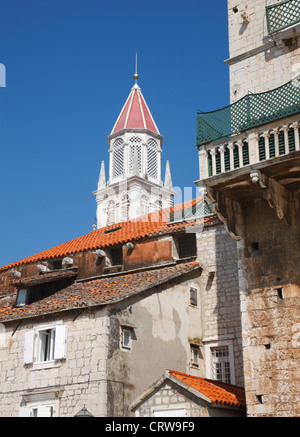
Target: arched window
[(135, 152), (111, 212), (125, 205), (144, 204), (158, 204), (152, 159), (118, 158)]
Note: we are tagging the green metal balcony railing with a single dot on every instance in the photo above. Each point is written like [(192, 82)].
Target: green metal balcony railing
[(251, 111), (282, 15)]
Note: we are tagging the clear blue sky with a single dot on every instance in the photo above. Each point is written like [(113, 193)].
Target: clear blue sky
[(69, 67)]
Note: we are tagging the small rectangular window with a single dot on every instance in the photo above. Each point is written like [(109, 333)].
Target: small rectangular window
[(46, 341), (194, 354), (187, 246), (22, 297), (116, 256), (55, 264), (42, 411), (193, 296), (45, 345), (126, 337)]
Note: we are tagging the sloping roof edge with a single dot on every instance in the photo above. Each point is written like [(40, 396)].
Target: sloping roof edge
[(151, 225), (10, 313), (169, 375)]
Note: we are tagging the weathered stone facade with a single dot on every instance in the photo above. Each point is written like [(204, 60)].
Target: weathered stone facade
[(258, 200), (170, 397), (258, 62), (270, 280), (96, 370)]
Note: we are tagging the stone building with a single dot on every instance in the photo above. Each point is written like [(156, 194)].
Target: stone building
[(177, 394), (249, 156), (94, 321)]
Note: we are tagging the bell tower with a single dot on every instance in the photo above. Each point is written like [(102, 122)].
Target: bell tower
[(134, 187)]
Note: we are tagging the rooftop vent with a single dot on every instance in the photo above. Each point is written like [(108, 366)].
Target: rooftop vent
[(109, 231)]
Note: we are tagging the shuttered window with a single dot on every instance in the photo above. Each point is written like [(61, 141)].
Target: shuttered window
[(45, 345)]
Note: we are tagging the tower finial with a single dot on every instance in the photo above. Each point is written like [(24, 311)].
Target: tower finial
[(136, 76)]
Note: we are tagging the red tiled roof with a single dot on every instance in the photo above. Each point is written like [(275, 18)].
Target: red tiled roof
[(149, 225), (101, 291), (135, 113), (217, 391)]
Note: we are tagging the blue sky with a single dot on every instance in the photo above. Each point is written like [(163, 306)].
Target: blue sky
[(69, 67)]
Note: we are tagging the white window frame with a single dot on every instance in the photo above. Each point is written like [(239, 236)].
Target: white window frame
[(45, 345), (42, 411), (209, 346), (126, 330), (223, 363), (195, 348), (57, 337), (39, 410)]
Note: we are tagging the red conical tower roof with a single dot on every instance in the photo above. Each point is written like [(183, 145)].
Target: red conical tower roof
[(135, 113)]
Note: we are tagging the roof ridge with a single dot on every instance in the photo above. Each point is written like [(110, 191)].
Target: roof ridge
[(154, 223)]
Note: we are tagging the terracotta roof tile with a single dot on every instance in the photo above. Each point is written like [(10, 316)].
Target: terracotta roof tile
[(101, 291), (150, 225), (217, 391)]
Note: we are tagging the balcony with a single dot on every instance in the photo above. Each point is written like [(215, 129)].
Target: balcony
[(260, 146), (251, 111), (282, 15)]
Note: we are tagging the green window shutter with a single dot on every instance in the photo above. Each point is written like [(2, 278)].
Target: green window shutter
[(245, 153), (262, 149), (218, 162), (227, 159), (272, 146), (209, 163), (291, 134), (281, 143), (236, 158)]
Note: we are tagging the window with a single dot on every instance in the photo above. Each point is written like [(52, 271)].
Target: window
[(56, 264), (116, 256), (221, 363), (42, 411), (144, 204), (135, 154), (46, 340), (195, 355), (22, 297), (111, 212), (152, 159), (126, 337), (125, 207), (193, 296), (118, 158), (158, 204), (37, 411), (187, 246), (45, 345), (219, 359)]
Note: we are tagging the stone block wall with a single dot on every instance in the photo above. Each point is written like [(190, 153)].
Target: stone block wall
[(168, 397), (258, 63), (221, 321), (68, 384), (270, 291)]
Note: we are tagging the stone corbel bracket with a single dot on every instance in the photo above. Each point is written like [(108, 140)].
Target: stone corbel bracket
[(228, 211), (283, 201)]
